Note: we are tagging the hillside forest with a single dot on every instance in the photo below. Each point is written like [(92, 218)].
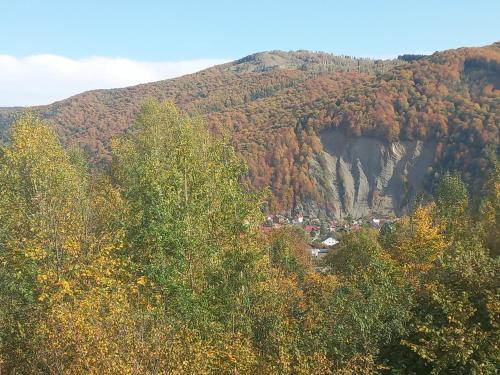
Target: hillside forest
[(157, 263), (275, 105)]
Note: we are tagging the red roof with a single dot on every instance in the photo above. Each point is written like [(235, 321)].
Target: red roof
[(310, 228)]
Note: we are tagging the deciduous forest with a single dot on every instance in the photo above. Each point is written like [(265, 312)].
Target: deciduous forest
[(274, 106), (156, 264)]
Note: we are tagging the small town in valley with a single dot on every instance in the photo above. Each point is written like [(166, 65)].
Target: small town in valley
[(325, 234)]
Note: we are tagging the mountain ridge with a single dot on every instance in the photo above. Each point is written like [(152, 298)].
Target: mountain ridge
[(275, 105)]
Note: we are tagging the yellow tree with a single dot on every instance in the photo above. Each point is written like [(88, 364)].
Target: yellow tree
[(41, 232), (420, 241)]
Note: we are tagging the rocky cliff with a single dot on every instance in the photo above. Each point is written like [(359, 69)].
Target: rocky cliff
[(363, 176)]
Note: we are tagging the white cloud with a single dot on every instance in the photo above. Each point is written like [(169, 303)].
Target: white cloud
[(43, 79)]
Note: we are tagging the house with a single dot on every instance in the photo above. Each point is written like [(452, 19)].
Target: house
[(298, 219), (312, 228), (334, 225), (318, 253), (280, 219), (330, 241), (314, 252)]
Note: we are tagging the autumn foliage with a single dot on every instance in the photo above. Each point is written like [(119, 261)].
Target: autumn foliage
[(275, 111), (158, 266)]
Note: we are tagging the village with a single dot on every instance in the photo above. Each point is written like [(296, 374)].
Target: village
[(324, 234)]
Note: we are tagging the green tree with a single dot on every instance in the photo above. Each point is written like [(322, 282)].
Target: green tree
[(452, 202), (189, 220), (288, 251), (371, 307), (490, 206), (457, 325)]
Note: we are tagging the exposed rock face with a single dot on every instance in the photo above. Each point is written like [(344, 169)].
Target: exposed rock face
[(362, 176)]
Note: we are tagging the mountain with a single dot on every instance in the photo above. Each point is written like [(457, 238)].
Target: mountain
[(329, 134)]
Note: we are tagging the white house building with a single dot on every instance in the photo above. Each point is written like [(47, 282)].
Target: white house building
[(330, 241), (314, 253)]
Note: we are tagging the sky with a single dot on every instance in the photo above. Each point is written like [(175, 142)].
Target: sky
[(51, 49)]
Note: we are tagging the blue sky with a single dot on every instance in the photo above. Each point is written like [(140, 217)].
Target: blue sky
[(183, 29), (208, 32)]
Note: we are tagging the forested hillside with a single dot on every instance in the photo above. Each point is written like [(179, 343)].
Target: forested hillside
[(158, 265), (276, 107)]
